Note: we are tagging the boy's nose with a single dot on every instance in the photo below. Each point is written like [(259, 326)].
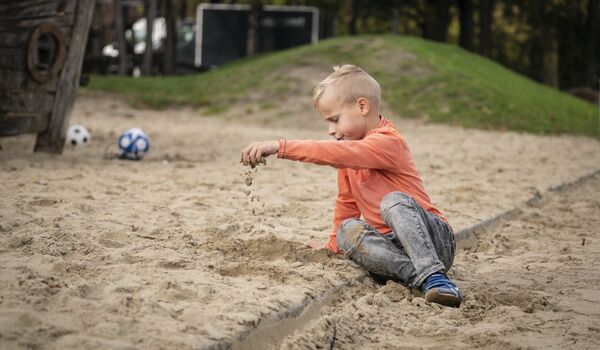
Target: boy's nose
[(332, 130)]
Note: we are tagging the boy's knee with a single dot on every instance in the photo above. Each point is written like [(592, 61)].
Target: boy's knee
[(348, 232), (394, 198)]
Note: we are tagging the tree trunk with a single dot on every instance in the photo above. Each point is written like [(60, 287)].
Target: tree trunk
[(171, 39), (395, 20), (253, 41), (537, 21), (120, 32), (591, 28), (352, 17), (465, 8), (436, 20), (536, 58), (486, 11), (543, 57), (95, 41), (550, 74), (150, 15), (183, 9)]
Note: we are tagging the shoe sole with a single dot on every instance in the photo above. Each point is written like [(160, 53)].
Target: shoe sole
[(434, 296)]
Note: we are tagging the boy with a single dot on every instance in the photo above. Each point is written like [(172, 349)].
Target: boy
[(403, 236)]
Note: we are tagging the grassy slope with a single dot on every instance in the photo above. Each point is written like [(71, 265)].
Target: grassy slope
[(419, 78)]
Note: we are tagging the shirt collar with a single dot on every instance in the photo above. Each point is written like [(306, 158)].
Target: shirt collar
[(382, 122)]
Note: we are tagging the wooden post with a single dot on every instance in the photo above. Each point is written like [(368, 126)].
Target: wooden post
[(53, 139)]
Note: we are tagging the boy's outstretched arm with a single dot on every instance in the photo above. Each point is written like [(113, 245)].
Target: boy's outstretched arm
[(253, 153), (375, 151)]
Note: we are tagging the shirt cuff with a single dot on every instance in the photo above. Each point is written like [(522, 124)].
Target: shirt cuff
[(281, 150)]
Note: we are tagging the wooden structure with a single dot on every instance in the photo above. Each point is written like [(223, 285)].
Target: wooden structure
[(42, 44)]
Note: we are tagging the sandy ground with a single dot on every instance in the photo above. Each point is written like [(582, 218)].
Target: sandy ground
[(531, 284), (176, 251)]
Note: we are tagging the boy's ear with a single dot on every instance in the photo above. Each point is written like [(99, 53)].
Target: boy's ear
[(363, 105)]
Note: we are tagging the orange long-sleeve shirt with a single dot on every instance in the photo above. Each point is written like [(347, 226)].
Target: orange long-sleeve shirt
[(368, 169)]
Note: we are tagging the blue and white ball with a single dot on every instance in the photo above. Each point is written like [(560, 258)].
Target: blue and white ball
[(134, 144)]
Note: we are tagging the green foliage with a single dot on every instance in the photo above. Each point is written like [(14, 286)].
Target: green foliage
[(421, 79), (472, 91)]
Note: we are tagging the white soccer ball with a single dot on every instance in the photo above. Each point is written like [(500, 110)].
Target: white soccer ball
[(134, 144), (78, 135)]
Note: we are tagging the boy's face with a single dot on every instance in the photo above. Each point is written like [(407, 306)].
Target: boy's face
[(345, 121)]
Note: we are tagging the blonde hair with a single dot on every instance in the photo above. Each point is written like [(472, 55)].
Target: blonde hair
[(350, 83)]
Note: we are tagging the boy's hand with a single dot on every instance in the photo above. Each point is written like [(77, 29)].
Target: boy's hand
[(253, 153), (315, 245)]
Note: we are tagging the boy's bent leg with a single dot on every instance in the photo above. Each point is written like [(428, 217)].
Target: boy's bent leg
[(408, 220), (443, 239), (372, 251)]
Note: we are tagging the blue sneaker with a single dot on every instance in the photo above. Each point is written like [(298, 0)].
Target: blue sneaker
[(441, 290)]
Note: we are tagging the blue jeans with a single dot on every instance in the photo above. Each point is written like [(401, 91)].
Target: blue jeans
[(420, 243)]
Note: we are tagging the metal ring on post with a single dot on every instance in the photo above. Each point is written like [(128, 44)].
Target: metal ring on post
[(46, 52)]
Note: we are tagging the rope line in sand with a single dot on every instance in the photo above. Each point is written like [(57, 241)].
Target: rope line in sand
[(465, 237)]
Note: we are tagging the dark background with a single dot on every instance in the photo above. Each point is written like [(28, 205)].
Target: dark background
[(554, 42)]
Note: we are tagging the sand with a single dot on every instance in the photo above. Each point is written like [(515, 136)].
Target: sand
[(530, 284), (180, 251)]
